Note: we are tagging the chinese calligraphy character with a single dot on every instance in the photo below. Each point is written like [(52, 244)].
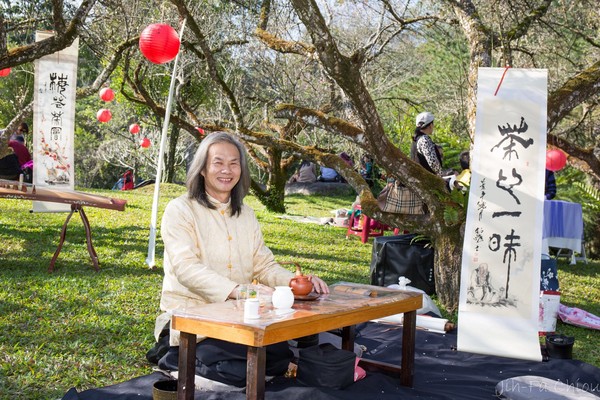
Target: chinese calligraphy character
[(510, 252), (481, 205), (503, 184), (62, 83), (59, 101), (478, 237), (509, 135)]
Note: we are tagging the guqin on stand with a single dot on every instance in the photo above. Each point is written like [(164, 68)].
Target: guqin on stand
[(24, 191)]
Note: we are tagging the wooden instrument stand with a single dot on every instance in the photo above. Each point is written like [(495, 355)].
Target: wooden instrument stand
[(22, 191), (88, 238)]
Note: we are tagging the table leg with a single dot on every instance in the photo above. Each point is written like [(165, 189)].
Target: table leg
[(408, 348), (407, 365), (88, 238), (348, 336), (255, 373), (63, 234), (187, 366)]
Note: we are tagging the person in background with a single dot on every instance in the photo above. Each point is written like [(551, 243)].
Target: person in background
[(367, 170), (213, 244), (22, 130), (349, 162), (23, 154), (347, 159), (9, 167), (329, 175), (306, 173), (423, 150), (24, 159), (462, 180), (550, 187)]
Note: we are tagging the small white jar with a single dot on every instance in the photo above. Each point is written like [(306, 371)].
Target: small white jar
[(251, 307)]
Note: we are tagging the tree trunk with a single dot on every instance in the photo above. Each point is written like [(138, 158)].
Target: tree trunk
[(272, 196), (170, 159), (272, 199), (448, 256)]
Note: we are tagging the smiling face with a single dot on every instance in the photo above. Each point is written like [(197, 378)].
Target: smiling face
[(222, 171)]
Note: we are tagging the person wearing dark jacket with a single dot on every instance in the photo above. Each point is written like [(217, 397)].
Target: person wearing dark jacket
[(550, 189), (423, 150), (21, 151), (10, 167)]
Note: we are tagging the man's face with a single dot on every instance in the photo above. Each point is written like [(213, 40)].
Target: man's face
[(222, 171)]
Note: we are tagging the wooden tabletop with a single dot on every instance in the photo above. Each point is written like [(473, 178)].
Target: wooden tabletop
[(25, 191), (347, 304)]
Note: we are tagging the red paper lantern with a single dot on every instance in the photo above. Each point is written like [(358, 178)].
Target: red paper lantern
[(107, 94), (159, 43), (200, 131), (4, 72), (555, 160), (145, 143), (134, 128), (104, 115)]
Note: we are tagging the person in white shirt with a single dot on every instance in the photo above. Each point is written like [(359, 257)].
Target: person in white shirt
[(213, 244)]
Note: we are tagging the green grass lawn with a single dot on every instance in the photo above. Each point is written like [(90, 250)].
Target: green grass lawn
[(78, 328)]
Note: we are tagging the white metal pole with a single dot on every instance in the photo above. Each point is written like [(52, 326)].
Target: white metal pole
[(163, 142)]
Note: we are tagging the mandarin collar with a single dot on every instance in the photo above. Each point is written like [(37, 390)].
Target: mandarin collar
[(220, 206)]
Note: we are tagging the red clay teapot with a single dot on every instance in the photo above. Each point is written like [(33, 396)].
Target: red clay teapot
[(301, 284)]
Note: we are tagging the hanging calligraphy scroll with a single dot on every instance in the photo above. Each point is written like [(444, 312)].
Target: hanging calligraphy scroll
[(500, 275), (55, 84)]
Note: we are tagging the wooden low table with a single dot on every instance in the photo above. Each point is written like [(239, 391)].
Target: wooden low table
[(347, 305)]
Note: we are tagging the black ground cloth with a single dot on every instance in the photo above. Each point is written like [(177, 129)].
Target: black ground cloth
[(440, 373)]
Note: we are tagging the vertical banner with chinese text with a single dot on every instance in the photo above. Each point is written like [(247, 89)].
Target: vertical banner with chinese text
[(55, 86), (500, 274)]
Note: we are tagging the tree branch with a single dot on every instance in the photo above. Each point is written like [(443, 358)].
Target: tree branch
[(211, 64), (573, 92), (63, 39)]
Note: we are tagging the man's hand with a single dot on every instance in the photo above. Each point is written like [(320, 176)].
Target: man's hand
[(319, 285)]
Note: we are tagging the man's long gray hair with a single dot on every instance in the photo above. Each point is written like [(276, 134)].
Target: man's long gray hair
[(195, 181)]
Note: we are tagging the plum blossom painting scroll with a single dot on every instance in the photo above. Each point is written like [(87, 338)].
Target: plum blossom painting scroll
[(55, 86), (500, 274)]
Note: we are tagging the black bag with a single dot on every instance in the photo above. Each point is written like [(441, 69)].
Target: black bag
[(326, 366), (396, 256), (226, 362)]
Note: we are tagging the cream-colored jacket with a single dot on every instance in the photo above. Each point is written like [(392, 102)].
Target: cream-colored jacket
[(208, 253)]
